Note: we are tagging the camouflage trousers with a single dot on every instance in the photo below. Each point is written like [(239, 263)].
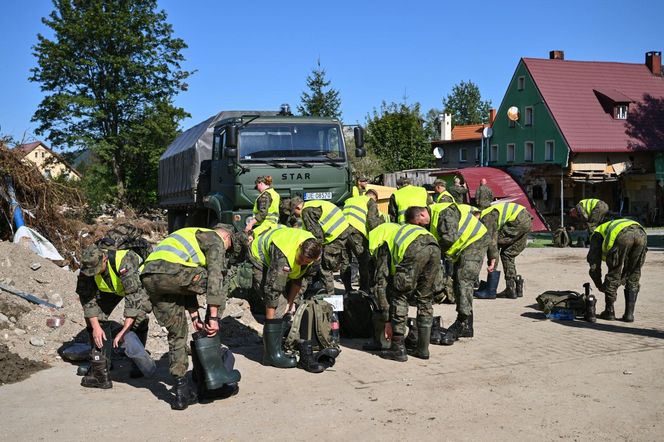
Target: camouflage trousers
[(334, 259), (625, 261), (357, 245), (415, 278), (512, 240), (466, 271), (271, 283), (172, 295)]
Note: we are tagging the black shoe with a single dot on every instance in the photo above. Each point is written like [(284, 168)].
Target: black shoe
[(436, 331), (462, 328), (184, 396), (467, 327), (135, 372), (307, 361), (630, 303), (411, 338), (609, 313), (590, 314), (98, 376), (519, 286), (510, 290)]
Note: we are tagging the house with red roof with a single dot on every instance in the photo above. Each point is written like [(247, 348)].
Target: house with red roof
[(460, 146), (49, 163), (584, 129)]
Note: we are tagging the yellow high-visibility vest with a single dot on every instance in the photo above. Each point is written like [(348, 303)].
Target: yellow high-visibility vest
[(273, 210), (435, 213), (409, 196), (180, 247), (610, 230), (507, 212), (332, 219), (116, 283), (286, 239), (588, 205), (470, 230), (355, 211)]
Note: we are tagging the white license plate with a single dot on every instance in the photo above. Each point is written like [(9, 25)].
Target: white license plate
[(337, 302), (317, 196)]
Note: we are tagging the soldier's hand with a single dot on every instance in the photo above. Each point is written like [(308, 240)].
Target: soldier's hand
[(492, 265), (212, 327), (388, 330), (98, 336), (118, 338), (198, 325)]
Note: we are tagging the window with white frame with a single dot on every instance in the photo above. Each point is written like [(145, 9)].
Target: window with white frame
[(529, 151), (493, 155), (529, 116), (510, 153), (548, 150), (620, 112), (521, 83), (463, 155)]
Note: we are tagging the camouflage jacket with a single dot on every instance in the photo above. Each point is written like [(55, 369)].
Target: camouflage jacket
[(483, 197), (129, 273)]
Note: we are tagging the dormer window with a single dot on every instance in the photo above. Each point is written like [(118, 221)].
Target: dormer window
[(620, 111)]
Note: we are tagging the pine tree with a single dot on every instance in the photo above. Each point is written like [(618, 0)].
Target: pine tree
[(319, 103)]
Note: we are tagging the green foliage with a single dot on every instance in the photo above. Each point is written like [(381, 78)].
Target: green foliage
[(110, 73), (319, 103), (397, 136), (369, 165), (465, 104)]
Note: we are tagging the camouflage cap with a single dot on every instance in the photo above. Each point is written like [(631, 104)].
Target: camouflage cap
[(91, 261), (403, 181), (440, 182), (295, 201), (228, 227)]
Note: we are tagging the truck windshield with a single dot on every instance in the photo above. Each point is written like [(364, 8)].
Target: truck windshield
[(310, 142)]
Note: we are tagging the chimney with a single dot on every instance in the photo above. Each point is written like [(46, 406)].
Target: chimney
[(556, 55), (445, 127), (492, 116), (654, 62)]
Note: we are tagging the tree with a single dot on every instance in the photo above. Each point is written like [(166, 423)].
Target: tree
[(397, 136), (319, 103), (465, 104), (110, 74)]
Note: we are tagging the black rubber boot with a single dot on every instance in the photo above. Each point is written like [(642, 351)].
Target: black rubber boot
[(208, 352), (510, 290), (590, 314), (307, 361), (609, 313), (346, 279), (98, 376), (519, 286), (379, 342), (273, 352), (462, 327), (397, 351), (184, 395), (630, 303), (411, 337), (489, 290), (437, 331), (422, 350)]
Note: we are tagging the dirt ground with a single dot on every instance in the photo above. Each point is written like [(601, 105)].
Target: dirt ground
[(521, 377)]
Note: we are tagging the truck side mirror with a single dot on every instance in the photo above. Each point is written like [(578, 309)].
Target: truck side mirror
[(231, 141), (359, 152), (358, 132)]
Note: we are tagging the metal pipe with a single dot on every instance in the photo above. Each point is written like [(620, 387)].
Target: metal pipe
[(562, 213)]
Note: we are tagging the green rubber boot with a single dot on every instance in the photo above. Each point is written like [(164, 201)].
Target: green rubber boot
[(208, 351), (273, 352), (422, 350)]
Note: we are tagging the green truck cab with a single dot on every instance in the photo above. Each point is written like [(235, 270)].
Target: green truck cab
[(207, 174)]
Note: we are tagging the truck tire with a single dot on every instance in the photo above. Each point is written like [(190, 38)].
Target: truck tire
[(176, 220)]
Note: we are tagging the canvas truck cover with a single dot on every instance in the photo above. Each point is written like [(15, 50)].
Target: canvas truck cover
[(180, 165)]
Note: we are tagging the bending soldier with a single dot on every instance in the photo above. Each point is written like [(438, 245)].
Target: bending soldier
[(462, 237), (362, 214), (108, 276), (413, 254), (187, 263), (329, 226), (593, 211), (508, 226), (622, 244), (404, 197), (281, 259)]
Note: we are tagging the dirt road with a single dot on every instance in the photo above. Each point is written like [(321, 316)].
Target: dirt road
[(520, 378)]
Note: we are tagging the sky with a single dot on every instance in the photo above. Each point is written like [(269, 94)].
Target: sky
[(256, 55)]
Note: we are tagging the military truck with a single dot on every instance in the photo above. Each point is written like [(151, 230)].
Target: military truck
[(207, 174)]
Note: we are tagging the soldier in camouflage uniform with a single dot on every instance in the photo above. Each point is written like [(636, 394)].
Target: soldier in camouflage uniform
[(441, 195), (458, 191), (188, 263), (406, 195), (622, 244), (362, 214), (407, 257), (508, 226), (105, 279), (462, 237), (329, 226), (592, 211), (483, 195)]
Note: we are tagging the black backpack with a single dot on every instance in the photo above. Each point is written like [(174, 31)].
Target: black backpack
[(355, 320), (125, 237)]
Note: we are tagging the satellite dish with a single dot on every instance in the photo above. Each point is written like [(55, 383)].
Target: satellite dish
[(513, 113), (438, 152), (487, 132)]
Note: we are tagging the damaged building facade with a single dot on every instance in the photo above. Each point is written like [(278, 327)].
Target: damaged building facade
[(585, 129)]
